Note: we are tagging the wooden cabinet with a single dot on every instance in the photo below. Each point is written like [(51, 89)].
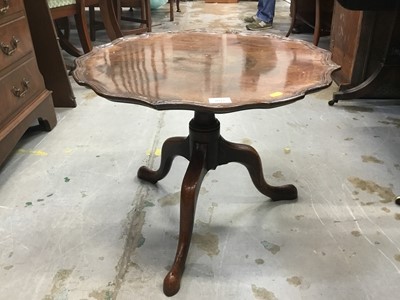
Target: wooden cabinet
[(366, 44), (24, 99)]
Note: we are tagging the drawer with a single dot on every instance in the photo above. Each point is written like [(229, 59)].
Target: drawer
[(15, 41), (10, 7), (19, 87)]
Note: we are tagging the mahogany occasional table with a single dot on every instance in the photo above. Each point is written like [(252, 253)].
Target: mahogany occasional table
[(208, 73)]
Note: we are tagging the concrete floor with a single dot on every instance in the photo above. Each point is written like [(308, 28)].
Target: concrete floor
[(76, 223)]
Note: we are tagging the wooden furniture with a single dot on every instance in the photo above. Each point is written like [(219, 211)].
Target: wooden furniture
[(365, 44), (229, 75), (60, 11), (316, 14), (114, 8), (48, 54), (109, 16), (24, 98), (135, 3)]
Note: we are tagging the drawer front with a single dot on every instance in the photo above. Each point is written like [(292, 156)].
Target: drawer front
[(10, 7), (18, 88), (15, 41)]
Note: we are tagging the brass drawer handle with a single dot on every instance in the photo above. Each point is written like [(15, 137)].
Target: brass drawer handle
[(21, 92), (10, 49), (5, 7)]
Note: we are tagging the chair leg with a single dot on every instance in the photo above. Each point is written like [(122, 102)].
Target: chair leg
[(81, 26), (171, 10), (92, 23), (317, 26), (147, 11), (109, 16), (62, 30), (293, 13)]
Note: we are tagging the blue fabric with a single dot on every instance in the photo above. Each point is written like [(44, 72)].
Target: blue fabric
[(266, 10)]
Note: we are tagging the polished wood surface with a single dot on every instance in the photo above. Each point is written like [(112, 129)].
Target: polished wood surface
[(24, 99), (208, 73), (48, 53), (218, 72)]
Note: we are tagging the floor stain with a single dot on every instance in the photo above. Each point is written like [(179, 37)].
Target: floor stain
[(371, 159), (170, 200), (247, 141), (203, 191), (147, 203), (259, 261), (271, 247), (90, 95), (262, 293), (278, 175), (354, 109), (295, 280), (101, 295), (140, 241), (299, 217), (8, 267), (207, 242), (356, 233), (386, 210), (391, 121), (349, 139), (397, 216), (385, 193), (397, 257), (367, 203), (59, 289)]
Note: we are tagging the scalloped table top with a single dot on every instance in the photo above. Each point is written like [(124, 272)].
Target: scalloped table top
[(205, 71)]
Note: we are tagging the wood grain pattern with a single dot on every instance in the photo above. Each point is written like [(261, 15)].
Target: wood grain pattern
[(183, 70)]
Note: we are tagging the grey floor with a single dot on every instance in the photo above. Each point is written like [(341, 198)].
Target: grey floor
[(76, 223)]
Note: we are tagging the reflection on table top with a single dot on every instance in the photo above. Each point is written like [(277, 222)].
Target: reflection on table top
[(216, 72)]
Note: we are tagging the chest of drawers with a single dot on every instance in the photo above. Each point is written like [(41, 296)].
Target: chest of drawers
[(24, 99)]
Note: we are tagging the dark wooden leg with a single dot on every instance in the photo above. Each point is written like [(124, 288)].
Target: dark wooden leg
[(206, 149), (293, 13), (81, 27), (109, 16), (247, 156), (189, 192), (65, 44), (171, 10), (317, 26), (171, 148)]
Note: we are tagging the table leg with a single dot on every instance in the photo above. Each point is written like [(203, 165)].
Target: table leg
[(171, 148), (190, 189), (248, 156), (205, 149)]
